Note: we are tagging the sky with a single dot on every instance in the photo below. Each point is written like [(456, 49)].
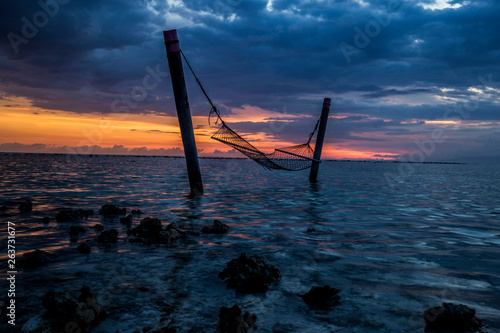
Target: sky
[(409, 80)]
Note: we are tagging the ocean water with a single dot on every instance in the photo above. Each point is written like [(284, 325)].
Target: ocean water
[(395, 238)]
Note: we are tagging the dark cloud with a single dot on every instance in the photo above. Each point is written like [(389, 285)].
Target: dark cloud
[(413, 65)]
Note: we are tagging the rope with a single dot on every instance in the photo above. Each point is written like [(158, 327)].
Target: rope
[(314, 131), (213, 109)]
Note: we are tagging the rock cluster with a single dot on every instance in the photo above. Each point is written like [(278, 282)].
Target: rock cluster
[(150, 230), (231, 320), (110, 210), (63, 307), (217, 228), (36, 258), (322, 296), (148, 227), (251, 274), (452, 318), (68, 215)]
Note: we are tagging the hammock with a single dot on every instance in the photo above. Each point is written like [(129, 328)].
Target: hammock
[(293, 158)]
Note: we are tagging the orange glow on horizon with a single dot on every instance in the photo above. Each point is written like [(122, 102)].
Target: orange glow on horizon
[(22, 123)]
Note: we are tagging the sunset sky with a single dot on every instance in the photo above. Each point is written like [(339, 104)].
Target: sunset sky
[(409, 80)]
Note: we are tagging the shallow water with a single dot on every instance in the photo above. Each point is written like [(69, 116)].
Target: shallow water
[(394, 248)]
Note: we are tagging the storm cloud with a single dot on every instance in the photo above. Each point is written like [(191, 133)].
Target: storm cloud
[(393, 68)]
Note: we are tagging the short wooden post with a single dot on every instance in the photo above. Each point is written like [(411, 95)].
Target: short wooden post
[(183, 110), (320, 138)]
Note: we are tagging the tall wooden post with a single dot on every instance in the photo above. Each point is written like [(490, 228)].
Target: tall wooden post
[(183, 110), (320, 138)]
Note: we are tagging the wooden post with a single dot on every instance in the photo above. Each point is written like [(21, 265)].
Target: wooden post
[(320, 138), (183, 110)]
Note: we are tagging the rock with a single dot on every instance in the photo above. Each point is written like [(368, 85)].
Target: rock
[(144, 288), (98, 227), (88, 298), (110, 209), (194, 233), (136, 211), (322, 296), (108, 237), (251, 274), (26, 206), (36, 324), (231, 320), (4, 208), (63, 307), (165, 236), (74, 230), (151, 232), (68, 215), (172, 225), (451, 318), (311, 230), (148, 228), (126, 220), (45, 219), (60, 304), (217, 228), (84, 248), (36, 258)]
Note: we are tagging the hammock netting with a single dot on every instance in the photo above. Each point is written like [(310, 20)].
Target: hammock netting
[(293, 158)]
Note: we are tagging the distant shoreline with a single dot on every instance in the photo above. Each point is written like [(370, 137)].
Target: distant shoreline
[(226, 158)]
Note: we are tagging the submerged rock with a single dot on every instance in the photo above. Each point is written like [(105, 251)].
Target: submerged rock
[(251, 274), (36, 258), (74, 230), (26, 206), (217, 228), (231, 320), (68, 215), (126, 220), (322, 296), (451, 318), (84, 248), (110, 209), (98, 227), (63, 307), (136, 211), (108, 237), (45, 219)]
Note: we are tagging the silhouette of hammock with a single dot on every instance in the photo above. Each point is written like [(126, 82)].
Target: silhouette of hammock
[(293, 158)]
